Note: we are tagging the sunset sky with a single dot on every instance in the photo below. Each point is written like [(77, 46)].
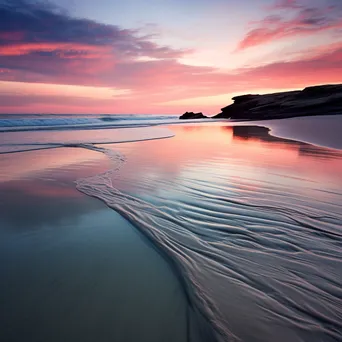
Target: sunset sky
[(161, 56)]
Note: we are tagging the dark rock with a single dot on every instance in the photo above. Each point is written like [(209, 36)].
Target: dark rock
[(192, 115), (319, 91), (244, 98), (241, 105), (318, 100)]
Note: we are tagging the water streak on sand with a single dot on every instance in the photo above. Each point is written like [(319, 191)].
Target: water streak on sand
[(255, 252), (145, 217)]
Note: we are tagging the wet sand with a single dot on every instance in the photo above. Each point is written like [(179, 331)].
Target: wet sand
[(223, 223), (251, 221), (71, 269)]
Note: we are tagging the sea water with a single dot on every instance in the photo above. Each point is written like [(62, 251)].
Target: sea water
[(251, 223)]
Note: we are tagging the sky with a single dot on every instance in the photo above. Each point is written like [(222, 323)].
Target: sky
[(161, 56)]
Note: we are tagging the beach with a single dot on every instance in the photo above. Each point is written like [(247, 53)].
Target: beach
[(212, 231), (170, 171), (66, 274)]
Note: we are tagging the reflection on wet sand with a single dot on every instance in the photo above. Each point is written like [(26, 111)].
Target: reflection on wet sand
[(233, 148), (72, 269), (263, 134), (253, 223)]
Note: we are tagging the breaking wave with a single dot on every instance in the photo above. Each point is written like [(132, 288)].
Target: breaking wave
[(58, 122)]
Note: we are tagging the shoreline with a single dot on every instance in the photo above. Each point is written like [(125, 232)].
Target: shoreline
[(271, 124), (144, 216), (153, 134), (134, 209), (194, 300)]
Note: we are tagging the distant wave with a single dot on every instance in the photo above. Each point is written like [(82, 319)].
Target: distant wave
[(129, 117), (53, 122)]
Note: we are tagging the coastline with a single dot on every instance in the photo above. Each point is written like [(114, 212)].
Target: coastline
[(316, 100), (311, 133), (170, 171), (309, 130), (129, 207), (121, 191)]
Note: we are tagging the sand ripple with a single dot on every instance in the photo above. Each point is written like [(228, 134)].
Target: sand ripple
[(262, 266)]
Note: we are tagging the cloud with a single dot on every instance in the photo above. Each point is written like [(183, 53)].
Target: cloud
[(28, 27), (306, 20), (322, 67), (170, 87), (43, 45), (286, 4)]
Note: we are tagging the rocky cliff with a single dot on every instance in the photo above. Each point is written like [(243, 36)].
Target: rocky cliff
[(318, 100)]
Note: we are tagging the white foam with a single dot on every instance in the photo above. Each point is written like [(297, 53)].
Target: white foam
[(12, 123)]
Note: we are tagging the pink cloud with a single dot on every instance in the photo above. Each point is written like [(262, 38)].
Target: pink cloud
[(156, 82), (306, 21), (64, 50), (93, 54), (12, 36), (286, 4)]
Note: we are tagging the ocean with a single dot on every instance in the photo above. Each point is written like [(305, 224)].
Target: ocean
[(33, 122), (239, 228)]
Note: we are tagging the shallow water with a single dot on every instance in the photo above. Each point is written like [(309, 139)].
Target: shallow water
[(73, 270), (252, 222), (12, 142)]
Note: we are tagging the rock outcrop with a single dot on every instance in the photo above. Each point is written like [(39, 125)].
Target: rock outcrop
[(318, 100), (192, 115)]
